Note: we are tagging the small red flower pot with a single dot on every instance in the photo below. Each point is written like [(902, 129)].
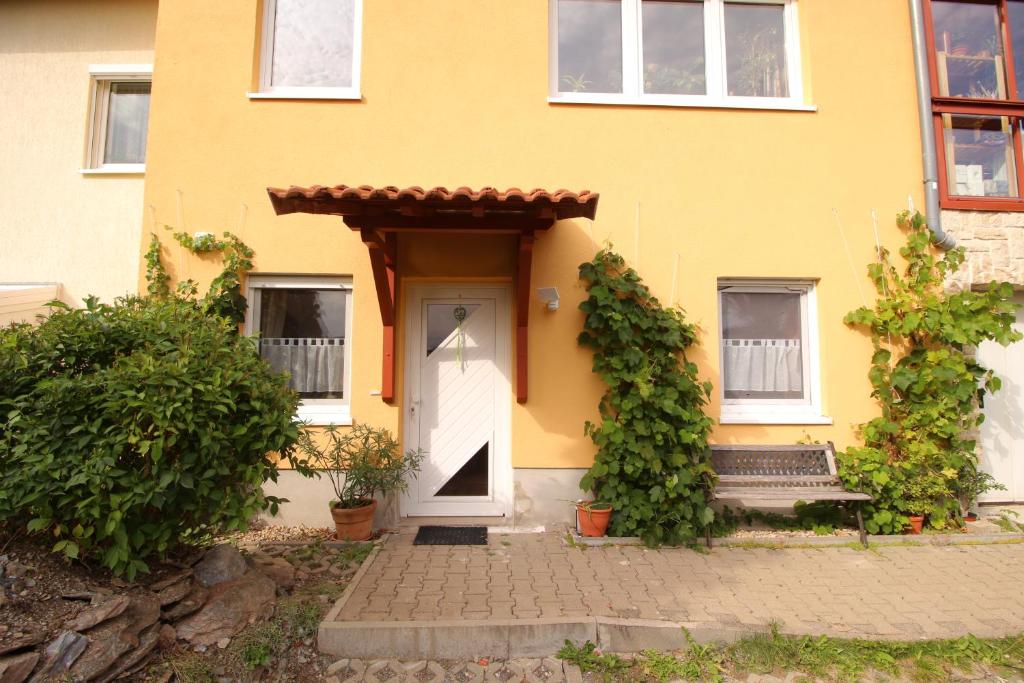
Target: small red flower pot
[(916, 523), (593, 521)]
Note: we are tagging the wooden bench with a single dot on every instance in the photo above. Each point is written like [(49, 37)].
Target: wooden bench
[(782, 473)]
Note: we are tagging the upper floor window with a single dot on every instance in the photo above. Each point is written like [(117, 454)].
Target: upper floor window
[(119, 121), (977, 59), (676, 52), (310, 49)]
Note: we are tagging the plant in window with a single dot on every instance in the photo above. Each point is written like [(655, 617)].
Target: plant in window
[(577, 83), (760, 71), (653, 462), (919, 454), (663, 78), (361, 462)]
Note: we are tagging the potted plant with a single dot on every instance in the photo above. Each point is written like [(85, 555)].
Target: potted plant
[(972, 483), (592, 517), (361, 462)]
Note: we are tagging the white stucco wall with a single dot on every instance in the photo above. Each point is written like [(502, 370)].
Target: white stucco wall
[(57, 225)]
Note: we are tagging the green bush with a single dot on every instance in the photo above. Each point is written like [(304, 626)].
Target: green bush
[(653, 462), (130, 428), (919, 455)]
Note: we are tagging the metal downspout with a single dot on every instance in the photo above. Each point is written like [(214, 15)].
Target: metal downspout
[(924, 108)]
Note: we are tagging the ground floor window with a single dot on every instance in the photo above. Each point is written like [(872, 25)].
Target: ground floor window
[(303, 326), (768, 352)]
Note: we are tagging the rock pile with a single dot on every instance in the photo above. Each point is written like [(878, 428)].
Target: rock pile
[(203, 605)]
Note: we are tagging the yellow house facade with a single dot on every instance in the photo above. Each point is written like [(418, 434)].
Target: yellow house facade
[(736, 153)]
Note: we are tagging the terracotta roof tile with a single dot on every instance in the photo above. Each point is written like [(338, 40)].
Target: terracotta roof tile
[(345, 200)]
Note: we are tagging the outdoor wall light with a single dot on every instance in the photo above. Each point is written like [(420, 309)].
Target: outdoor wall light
[(549, 296)]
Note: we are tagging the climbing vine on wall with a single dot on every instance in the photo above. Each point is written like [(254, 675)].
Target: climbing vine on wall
[(919, 455), (652, 463), (224, 296)]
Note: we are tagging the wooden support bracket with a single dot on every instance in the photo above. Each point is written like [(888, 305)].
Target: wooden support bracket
[(525, 260), (384, 264)]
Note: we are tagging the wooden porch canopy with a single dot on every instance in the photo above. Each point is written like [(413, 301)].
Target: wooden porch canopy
[(378, 213)]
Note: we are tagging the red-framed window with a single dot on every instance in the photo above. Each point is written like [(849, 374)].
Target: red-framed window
[(976, 54)]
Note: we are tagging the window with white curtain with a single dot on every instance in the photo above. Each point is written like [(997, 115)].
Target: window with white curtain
[(310, 49), (768, 352), (120, 118), (741, 53), (303, 328)]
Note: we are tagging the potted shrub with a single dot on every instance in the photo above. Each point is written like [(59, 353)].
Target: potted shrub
[(918, 500), (972, 483), (592, 517), (361, 461)]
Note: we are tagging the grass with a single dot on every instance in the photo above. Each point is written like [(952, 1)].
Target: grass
[(294, 620), (821, 657), (1008, 521), (188, 668)]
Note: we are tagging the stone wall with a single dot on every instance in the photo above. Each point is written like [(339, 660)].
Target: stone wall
[(995, 246)]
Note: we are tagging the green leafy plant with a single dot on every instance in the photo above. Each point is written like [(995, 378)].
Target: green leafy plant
[(919, 455), (653, 462), (698, 663), (822, 517), (973, 483), (589, 659), (128, 429), (224, 295), (360, 461)]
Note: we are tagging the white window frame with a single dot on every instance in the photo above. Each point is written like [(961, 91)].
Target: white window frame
[(268, 91), (714, 63), (315, 411), (101, 76), (778, 411)]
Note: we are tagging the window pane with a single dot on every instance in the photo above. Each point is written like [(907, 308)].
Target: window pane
[(1015, 8), (969, 51), (762, 336), (302, 332), (673, 47), (980, 156), (755, 50), (313, 42), (472, 478), (589, 46), (127, 121)]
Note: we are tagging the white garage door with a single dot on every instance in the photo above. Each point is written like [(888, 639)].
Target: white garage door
[(1002, 433)]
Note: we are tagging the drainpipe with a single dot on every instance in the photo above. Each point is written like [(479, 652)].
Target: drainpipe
[(924, 108)]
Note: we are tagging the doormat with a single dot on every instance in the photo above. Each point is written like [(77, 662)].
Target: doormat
[(451, 535)]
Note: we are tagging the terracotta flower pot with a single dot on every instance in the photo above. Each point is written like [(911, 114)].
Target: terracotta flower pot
[(916, 523), (354, 524), (593, 522), (960, 50), (971, 517)]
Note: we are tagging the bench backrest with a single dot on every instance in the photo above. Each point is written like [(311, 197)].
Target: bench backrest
[(795, 461)]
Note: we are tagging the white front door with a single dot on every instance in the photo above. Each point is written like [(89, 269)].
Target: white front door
[(1002, 432), (457, 401)]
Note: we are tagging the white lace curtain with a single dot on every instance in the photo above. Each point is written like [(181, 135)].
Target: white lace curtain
[(762, 365), (315, 365)]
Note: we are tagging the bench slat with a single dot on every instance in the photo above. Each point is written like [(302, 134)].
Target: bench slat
[(787, 494), (769, 478)]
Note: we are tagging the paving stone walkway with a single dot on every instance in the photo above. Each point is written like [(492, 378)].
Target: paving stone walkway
[(891, 592), (546, 670)]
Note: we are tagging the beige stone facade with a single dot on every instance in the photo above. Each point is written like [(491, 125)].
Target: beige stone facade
[(995, 246)]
